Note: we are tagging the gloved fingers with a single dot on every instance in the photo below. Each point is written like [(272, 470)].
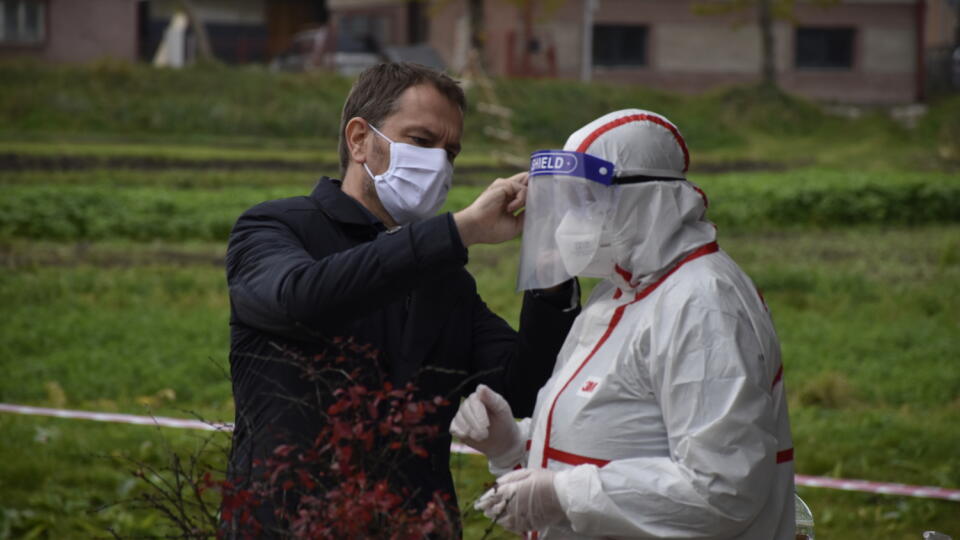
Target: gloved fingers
[(513, 477), (496, 512), (488, 500), (502, 508), (493, 401), (461, 428), (471, 422), (494, 504), (531, 500)]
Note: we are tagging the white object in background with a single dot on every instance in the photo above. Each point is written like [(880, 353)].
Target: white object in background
[(172, 51), (934, 535), (804, 520)]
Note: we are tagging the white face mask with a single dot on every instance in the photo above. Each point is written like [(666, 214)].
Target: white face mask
[(578, 237), (416, 183)]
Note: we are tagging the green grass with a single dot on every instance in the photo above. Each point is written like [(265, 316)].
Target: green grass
[(172, 179), (121, 98), (70, 479), (132, 332), (288, 115), (866, 316), (165, 150)]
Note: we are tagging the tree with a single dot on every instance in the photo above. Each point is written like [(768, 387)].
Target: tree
[(766, 12)]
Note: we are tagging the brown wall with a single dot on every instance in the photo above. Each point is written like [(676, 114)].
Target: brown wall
[(81, 31)]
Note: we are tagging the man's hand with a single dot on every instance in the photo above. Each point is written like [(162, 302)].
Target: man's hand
[(492, 218)]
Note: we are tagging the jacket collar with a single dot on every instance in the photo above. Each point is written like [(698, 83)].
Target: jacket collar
[(342, 207)]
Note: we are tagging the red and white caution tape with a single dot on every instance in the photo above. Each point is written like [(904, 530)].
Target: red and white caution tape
[(929, 492), (117, 418)]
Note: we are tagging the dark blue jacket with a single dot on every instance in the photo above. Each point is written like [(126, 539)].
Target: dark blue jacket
[(307, 269)]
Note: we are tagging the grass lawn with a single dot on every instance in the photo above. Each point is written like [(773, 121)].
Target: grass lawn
[(866, 316)]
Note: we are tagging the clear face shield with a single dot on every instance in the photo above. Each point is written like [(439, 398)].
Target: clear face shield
[(568, 200)]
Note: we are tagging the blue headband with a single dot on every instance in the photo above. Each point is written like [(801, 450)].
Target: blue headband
[(562, 162)]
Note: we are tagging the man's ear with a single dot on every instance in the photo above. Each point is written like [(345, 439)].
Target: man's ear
[(356, 135)]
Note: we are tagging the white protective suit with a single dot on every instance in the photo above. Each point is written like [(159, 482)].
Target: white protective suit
[(665, 416)]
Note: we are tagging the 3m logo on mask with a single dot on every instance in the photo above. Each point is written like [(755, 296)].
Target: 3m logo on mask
[(589, 387)]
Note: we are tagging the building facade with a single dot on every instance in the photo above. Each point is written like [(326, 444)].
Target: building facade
[(854, 51), (239, 31), (69, 30), (857, 51)]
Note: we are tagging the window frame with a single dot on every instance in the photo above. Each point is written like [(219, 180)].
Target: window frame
[(597, 62), (43, 26), (852, 30)]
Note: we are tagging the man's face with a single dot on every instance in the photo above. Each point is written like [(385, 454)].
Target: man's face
[(423, 117)]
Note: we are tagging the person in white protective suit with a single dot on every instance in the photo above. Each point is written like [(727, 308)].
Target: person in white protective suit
[(665, 416)]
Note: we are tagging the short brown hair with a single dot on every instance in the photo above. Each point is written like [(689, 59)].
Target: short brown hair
[(374, 95)]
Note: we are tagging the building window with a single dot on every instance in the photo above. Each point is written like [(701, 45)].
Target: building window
[(830, 48), (22, 21), (361, 33), (619, 45)]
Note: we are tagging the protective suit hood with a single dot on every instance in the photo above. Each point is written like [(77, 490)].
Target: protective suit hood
[(659, 216)]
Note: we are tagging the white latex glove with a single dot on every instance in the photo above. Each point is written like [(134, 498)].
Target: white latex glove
[(523, 500), (485, 423)]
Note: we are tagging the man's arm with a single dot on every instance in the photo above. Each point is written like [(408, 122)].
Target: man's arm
[(517, 365), (278, 287)]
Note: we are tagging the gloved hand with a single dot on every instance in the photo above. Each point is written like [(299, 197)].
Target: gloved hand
[(485, 423), (523, 500)]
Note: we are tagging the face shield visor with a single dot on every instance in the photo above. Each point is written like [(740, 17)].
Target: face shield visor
[(569, 197)]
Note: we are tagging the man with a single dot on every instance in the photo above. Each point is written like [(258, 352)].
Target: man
[(365, 258), (666, 416)]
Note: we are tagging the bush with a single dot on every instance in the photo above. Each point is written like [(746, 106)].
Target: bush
[(71, 213), (96, 213), (910, 204)]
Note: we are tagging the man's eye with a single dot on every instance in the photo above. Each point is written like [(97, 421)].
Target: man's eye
[(420, 141)]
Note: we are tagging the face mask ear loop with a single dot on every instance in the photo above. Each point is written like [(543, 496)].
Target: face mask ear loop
[(369, 172), (378, 132)]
